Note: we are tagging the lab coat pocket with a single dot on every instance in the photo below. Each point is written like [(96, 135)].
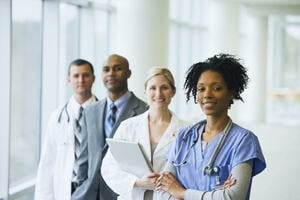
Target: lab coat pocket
[(61, 148), (62, 139)]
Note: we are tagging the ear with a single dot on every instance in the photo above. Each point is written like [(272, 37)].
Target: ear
[(129, 73), (174, 92)]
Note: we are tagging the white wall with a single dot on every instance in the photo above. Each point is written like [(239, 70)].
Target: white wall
[(280, 180)]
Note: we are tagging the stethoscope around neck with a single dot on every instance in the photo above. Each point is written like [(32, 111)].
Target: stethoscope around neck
[(65, 110), (210, 169)]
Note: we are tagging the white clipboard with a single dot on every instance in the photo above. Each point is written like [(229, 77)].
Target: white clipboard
[(130, 156)]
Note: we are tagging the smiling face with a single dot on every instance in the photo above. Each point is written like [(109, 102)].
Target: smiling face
[(81, 79), (115, 73), (159, 92), (213, 94)]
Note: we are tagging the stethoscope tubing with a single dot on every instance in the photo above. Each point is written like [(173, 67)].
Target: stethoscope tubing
[(184, 138), (209, 169), (65, 109)]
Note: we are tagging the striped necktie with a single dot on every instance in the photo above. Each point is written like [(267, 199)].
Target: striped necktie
[(80, 147)]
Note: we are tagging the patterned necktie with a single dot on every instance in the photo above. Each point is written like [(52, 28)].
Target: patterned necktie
[(111, 119), (112, 114), (77, 124), (80, 163)]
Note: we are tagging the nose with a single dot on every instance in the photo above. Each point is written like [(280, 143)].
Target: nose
[(111, 71), (81, 78), (158, 91), (207, 93)]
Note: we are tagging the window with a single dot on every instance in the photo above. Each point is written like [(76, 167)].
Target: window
[(284, 79), (44, 37), (187, 31), (68, 44), (25, 91)]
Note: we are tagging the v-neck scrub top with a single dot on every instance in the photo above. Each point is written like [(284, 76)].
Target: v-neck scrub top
[(240, 146)]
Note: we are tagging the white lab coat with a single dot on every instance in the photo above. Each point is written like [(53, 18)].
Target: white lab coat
[(56, 164), (137, 129)]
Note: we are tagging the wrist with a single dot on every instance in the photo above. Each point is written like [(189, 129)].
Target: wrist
[(181, 194), (137, 183)]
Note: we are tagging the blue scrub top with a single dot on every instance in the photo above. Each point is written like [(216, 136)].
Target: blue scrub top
[(240, 145)]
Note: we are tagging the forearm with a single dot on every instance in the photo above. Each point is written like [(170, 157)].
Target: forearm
[(242, 174), (164, 190)]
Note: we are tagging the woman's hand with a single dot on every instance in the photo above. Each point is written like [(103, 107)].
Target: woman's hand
[(229, 182), (147, 182), (169, 183)]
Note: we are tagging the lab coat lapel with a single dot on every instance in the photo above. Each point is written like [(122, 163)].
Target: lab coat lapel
[(128, 112), (144, 138)]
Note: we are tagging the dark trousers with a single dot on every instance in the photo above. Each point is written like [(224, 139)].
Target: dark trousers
[(74, 186)]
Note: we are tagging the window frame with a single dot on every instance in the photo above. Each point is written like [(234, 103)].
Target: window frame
[(5, 60)]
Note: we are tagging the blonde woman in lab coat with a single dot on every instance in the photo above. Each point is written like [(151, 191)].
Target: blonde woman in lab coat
[(155, 129)]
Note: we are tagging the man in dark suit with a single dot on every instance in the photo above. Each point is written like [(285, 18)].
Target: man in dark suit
[(101, 121)]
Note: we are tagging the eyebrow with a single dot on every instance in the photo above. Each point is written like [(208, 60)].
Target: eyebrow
[(213, 83), (116, 65)]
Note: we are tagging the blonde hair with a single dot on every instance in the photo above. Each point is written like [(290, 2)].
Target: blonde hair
[(155, 71)]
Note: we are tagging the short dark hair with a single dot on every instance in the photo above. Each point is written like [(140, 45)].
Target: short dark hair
[(79, 62), (230, 68)]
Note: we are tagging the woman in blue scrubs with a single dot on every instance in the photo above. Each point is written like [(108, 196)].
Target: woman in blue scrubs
[(207, 156)]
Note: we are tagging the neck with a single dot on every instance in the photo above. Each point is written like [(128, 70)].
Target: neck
[(82, 98), (158, 116), (116, 95), (214, 126)]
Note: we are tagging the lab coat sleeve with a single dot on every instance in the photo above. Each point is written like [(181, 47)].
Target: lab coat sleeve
[(44, 181), (118, 180), (242, 174)]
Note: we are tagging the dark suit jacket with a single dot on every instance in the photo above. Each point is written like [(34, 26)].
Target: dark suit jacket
[(95, 187)]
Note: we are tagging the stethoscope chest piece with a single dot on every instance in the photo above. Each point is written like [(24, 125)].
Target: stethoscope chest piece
[(208, 170)]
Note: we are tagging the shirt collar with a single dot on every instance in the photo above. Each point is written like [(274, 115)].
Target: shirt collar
[(74, 105), (120, 101)]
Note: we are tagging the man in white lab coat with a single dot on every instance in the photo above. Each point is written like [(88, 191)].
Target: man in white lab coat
[(55, 172)]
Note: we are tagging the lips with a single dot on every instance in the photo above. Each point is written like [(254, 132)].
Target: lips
[(208, 104), (111, 81), (159, 100)]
